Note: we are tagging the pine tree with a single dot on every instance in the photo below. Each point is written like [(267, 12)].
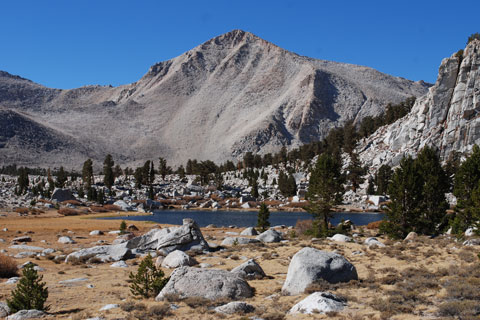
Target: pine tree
[(123, 227), (466, 188), (22, 180), (263, 217), (435, 184), (292, 186), (87, 174), (61, 178), (355, 171), (30, 292), (371, 187), (151, 194), (324, 191), (151, 174), (108, 176), (51, 183), (162, 167), (148, 281), (405, 192), (100, 196), (254, 191), (382, 179)]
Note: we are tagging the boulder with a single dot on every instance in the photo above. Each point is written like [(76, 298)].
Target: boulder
[(96, 233), (61, 195), (270, 235), (26, 314), (177, 259), (341, 238), (119, 264), (104, 253), (373, 242), (319, 302), (250, 270), (123, 205), (470, 232), (310, 265), (251, 231), (4, 309), (235, 307), (26, 247), (206, 283), (66, 240), (230, 241), (472, 242), (185, 237)]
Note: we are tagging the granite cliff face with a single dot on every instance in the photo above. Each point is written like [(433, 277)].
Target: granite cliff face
[(448, 117), (232, 94)]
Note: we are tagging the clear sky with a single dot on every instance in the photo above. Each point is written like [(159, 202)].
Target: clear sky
[(67, 43)]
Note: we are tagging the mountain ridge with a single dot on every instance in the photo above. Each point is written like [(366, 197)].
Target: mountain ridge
[(231, 94)]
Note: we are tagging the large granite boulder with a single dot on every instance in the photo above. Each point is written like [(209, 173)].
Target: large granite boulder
[(250, 270), (206, 283), (61, 195), (185, 237), (319, 302), (177, 259), (310, 265), (103, 253), (271, 235)]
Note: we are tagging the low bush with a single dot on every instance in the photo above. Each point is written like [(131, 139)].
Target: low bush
[(69, 212), (8, 267)]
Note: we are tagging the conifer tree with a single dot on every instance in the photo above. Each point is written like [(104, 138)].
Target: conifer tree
[(324, 191), (355, 171), (30, 293), (148, 281), (405, 192), (87, 174), (254, 191), (61, 178), (22, 180), (108, 176), (382, 179), (162, 167), (263, 217)]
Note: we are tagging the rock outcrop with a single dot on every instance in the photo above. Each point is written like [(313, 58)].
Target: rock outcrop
[(448, 117), (310, 265), (206, 283), (231, 94)]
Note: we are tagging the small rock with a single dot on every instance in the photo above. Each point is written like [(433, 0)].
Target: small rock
[(109, 307), (251, 231), (340, 238), (26, 314), (319, 302), (119, 264), (235, 307), (177, 259), (23, 239), (373, 242), (411, 236), (250, 270), (96, 233), (230, 241), (90, 286), (269, 236), (12, 280), (205, 265), (25, 254), (66, 240)]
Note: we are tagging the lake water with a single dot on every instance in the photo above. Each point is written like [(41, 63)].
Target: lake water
[(245, 218)]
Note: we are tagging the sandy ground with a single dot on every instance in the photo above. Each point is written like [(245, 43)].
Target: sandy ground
[(110, 286)]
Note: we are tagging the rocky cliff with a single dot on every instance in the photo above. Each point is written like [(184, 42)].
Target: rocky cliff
[(448, 117), (232, 94)]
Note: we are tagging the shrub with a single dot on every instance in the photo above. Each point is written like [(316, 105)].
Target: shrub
[(148, 281), (123, 227), (68, 212), (30, 292), (8, 267)]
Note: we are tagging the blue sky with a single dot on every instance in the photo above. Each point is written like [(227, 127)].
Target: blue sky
[(67, 44)]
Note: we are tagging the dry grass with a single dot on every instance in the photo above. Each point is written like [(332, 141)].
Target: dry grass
[(111, 207), (21, 210), (303, 226), (69, 212), (8, 267), (374, 225)]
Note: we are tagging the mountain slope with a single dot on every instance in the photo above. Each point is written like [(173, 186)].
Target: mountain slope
[(232, 94), (448, 117)]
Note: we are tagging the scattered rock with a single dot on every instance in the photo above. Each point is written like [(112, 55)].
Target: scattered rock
[(103, 253), (177, 259), (235, 307), (206, 283), (269, 236), (109, 307), (25, 254), (472, 242), (250, 270), (373, 242), (23, 239), (48, 251), (319, 302), (26, 314), (96, 233), (66, 240), (310, 265), (25, 247), (341, 238), (119, 264), (12, 280), (411, 236), (251, 231), (230, 241)]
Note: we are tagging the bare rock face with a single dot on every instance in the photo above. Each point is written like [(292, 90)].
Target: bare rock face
[(231, 94), (446, 118), (206, 283)]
